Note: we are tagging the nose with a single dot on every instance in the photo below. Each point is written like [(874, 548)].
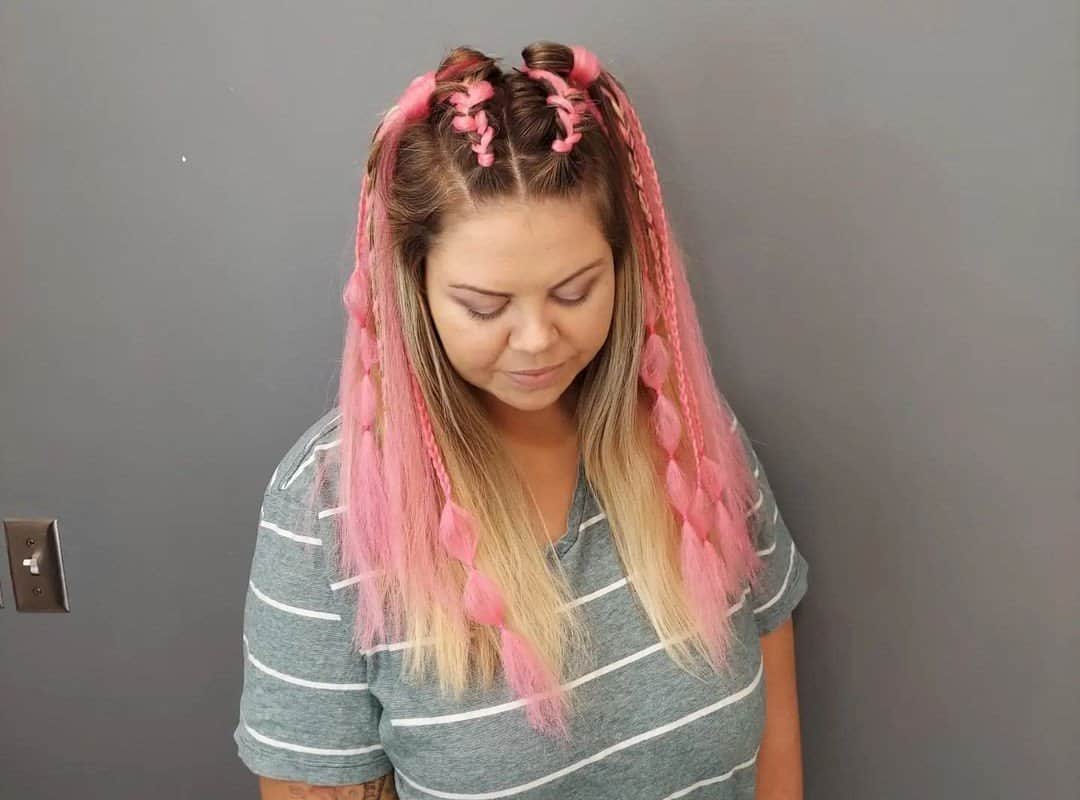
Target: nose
[(534, 334)]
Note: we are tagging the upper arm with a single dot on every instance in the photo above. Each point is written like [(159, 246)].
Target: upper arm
[(306, 714), (778, 655), (779, 759), (781, 694)]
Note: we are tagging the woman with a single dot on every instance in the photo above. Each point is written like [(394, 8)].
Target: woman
[(531, 552)]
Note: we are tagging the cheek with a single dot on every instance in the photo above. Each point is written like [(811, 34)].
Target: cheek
[(470, 347)]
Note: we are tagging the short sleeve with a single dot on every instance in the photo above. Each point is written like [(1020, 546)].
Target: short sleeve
[(305, 710), (783, 579)]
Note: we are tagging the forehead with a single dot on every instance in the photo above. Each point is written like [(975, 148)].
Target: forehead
[(508, 244)]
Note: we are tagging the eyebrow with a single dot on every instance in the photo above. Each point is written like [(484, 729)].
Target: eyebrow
[(586, 268)]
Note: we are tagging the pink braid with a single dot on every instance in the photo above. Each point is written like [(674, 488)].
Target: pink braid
[(709, 578), (386, 484), (569, 105), (465, 120), (525, 672), (587, 68), (741, 559), (367, 507)]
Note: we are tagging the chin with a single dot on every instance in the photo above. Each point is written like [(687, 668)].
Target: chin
[(536, 400), (519, 398)]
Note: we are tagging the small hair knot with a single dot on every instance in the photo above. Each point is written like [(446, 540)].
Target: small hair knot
[(587, 67), (415, 102)]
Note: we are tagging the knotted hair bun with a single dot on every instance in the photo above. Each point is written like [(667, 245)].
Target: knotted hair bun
[(415, 101), (570, 95), (586, 67)]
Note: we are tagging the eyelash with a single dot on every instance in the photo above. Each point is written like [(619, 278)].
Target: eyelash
[(493, 314)]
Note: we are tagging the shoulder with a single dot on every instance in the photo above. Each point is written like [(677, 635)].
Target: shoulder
[(296, 535), (307, 457), (736, 426), (760, 509), (299, 621)]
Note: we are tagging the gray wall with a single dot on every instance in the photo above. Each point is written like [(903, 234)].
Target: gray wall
[(879, 204)]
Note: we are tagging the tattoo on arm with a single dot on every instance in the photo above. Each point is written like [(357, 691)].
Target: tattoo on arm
[(382, 788)]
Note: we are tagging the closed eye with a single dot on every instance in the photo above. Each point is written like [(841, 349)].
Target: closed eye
[(573, 301), (566, 301), (480, 315)]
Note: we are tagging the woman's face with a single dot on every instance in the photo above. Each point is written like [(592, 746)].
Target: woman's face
[(522, 286)]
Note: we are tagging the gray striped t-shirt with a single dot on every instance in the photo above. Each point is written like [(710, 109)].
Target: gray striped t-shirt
[(316, 711)]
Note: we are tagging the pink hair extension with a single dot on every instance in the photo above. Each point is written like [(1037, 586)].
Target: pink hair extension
[(465, 120), (587, 67), (709, 577), (699, 385), (583, 74), (398, 499), (525, 673), (415, 101), (367, 504), (381, 485)]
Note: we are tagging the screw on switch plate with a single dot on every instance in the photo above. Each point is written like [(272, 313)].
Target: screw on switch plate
[(37, 569)]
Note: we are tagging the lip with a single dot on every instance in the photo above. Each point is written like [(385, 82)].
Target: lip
[(541, 371), (533, 379)]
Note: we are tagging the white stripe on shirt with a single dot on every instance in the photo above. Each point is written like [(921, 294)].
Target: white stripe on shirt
[(413, 722), (623, 745), (709, 781), (310, 460), (282, 676), (318, 751), (296, 537), (303, 612), (783, 586)]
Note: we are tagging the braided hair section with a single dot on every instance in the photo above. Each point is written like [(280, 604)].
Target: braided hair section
[(569, 106), (712, 567), (368, 293), (467, 119)]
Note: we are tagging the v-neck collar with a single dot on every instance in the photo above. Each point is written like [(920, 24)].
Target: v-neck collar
[(573, 521)]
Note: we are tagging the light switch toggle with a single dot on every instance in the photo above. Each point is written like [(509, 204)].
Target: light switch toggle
[(39, 583)]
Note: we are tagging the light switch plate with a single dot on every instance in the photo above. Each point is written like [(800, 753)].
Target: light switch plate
[(37, 569)]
